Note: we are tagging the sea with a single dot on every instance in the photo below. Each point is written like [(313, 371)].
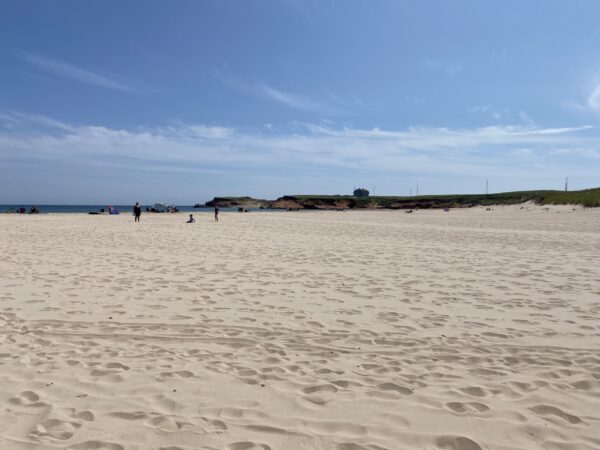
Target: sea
[(123, 209)]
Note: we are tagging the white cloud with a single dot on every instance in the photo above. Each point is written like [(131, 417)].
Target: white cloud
[(308, 148), (495, 112), (72, 72), (594, 99), (295, 101), (286, 98), (16, 117), (526, 119)]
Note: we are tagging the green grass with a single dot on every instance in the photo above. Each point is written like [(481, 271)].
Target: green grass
[(588, 198)]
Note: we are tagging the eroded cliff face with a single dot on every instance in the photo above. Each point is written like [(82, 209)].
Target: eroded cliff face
[(230, 202), (290, 202), (327, 203), (284, 203), (332, 203)]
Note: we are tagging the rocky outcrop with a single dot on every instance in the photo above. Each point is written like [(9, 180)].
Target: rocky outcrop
[(291, 202), (231, 202)]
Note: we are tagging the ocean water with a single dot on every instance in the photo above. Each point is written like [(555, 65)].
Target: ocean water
[(123, 209)]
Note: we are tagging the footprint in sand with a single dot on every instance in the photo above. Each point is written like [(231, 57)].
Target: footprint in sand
[(169, 424), (27, 398), (316, 400), (184, 448), (87, 416), (112, 368), (319, 389), (474, 391), (395, 388), (456, 443), (353, 446), (57, 429), (135, 415), (546, 410), (178, 374), (247, 445), (469, 407), (96, 445)]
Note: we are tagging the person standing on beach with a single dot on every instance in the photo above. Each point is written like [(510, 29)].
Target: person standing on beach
[(216, 213), (137, 211)]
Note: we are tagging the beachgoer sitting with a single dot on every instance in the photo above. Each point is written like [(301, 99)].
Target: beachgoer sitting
[(191, 219)]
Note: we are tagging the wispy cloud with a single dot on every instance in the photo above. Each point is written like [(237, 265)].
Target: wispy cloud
[(526, 118), (35, 122), (439, 65), (593, 100), (294, 100), (490, 110), (70, 71), (283, 97)]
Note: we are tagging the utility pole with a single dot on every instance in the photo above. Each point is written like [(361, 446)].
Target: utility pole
[(410, 195), (417, 190), (486, 187), (566, 184)]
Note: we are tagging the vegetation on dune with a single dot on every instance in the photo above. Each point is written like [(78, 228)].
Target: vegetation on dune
[(237, 201), (588, 198)]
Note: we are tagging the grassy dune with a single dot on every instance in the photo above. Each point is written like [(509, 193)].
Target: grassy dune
[(588, 198)]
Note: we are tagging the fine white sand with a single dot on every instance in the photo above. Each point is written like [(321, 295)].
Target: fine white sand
[(464, 330)]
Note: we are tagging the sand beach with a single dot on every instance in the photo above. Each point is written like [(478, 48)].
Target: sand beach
[(356, 330)]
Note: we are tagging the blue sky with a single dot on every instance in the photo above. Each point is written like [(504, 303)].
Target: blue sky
[(118, 101)]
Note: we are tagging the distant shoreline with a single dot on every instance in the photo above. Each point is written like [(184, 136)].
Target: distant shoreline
[(587, 198), (87, 209)]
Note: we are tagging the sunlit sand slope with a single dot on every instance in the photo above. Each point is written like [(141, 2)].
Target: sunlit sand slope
[(464, 330)]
